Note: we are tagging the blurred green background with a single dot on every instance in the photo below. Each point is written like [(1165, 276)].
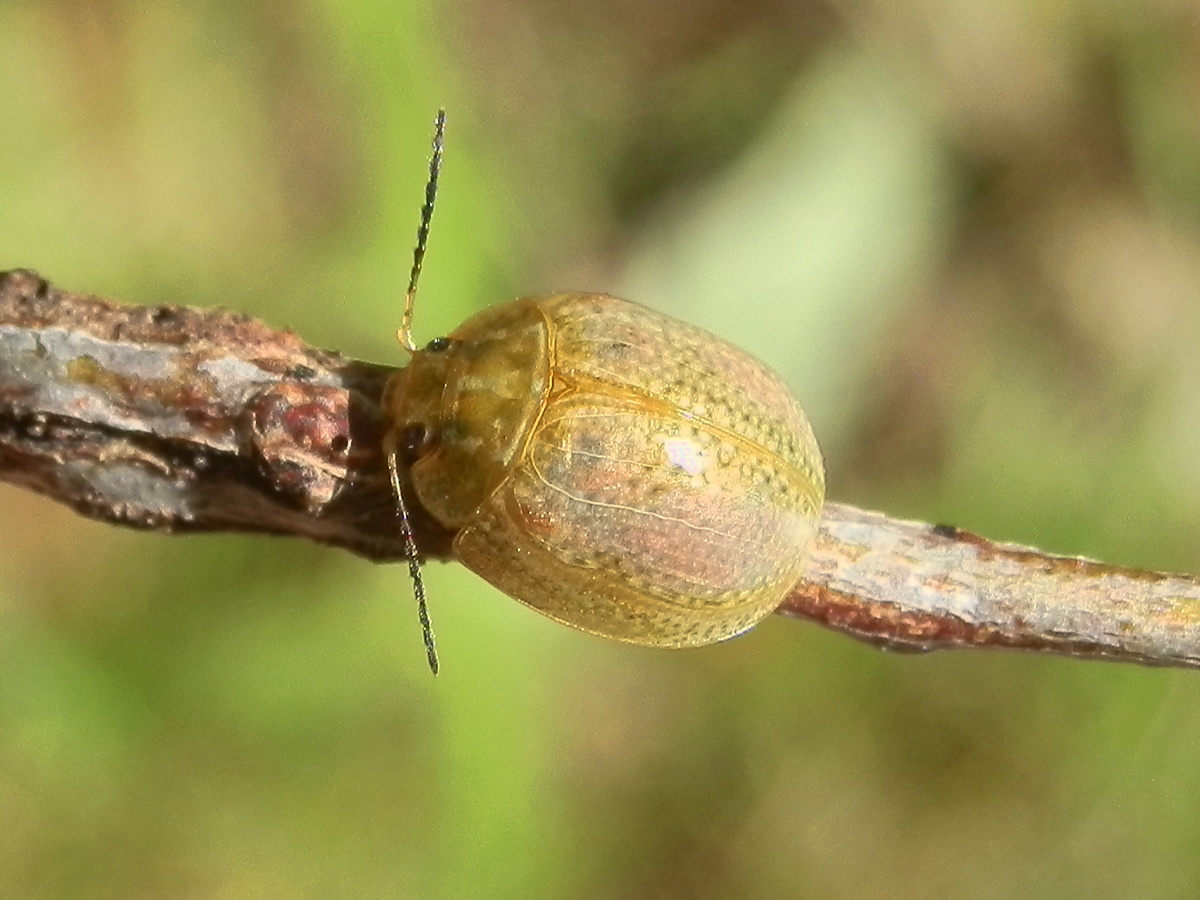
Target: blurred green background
[(968, 233)]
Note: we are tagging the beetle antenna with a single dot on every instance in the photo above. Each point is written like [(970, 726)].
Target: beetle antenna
[(414, 560), (404, 335)]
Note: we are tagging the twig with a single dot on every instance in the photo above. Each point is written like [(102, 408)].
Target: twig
[(185, 420), (912, 586)]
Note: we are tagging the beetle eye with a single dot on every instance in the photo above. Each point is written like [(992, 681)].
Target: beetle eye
[(416, 440), (439, 345)]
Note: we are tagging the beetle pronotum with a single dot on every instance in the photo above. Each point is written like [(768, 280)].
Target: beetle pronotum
[(616, 469)]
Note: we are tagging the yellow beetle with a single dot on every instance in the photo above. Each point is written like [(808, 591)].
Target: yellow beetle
[(614, 468)]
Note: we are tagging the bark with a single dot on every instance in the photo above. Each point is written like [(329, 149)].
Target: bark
[(183, 420)]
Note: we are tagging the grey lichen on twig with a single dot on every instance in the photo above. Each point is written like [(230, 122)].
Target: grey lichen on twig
[(912, 586), (186, 420)]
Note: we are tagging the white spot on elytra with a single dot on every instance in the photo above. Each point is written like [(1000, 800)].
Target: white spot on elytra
[(686, 454)]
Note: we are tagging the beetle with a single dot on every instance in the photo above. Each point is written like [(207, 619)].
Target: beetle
[(616, 469)]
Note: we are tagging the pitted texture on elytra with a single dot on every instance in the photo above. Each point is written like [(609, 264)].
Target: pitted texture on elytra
[(655, 484), (634, 348), (599, 460), (592, 598)]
